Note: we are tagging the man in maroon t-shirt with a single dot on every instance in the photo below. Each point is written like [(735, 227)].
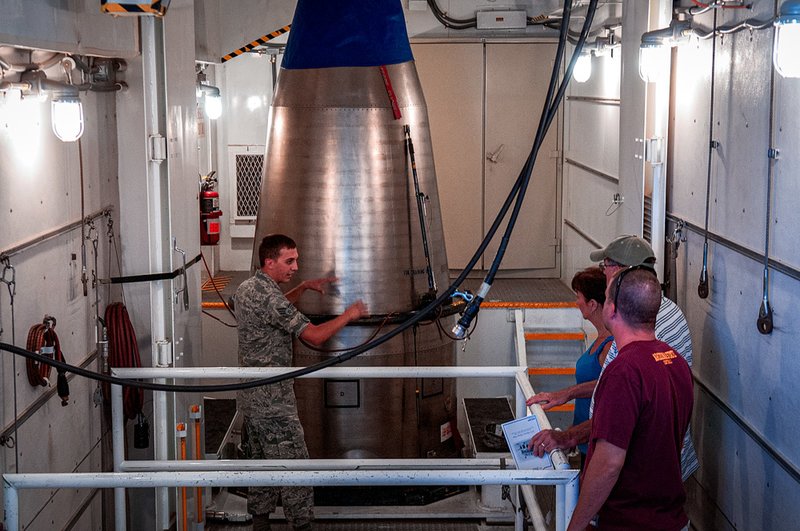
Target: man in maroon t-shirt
[(643, 404)]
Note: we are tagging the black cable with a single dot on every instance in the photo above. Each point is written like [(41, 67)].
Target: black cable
[(216, 288), (548, 114), (702, 286), (422, 313), (209, 314)]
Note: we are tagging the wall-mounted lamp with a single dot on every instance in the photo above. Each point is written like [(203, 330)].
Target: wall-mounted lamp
[(786, 56), (654, 51), (583, 68), (66, 110), (652, 60), (66, 113), (212, 101), (210, 95)]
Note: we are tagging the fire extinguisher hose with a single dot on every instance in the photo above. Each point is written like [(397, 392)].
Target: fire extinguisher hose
[(123, 351)]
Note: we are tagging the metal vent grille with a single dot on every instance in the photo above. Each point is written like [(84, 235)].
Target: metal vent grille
[(248, 184), (647, 221)]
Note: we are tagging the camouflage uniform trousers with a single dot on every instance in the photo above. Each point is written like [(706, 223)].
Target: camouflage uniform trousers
[(278, 438)]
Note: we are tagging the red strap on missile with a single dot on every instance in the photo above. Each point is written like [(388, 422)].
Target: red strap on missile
[(390, 92)]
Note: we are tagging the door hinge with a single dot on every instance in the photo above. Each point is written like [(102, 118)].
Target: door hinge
[(158, 148)]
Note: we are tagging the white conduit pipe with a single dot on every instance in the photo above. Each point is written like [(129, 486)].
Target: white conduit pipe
[(13, 482)]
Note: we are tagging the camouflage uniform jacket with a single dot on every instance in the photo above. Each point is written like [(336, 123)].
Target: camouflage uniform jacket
[(267, 322)]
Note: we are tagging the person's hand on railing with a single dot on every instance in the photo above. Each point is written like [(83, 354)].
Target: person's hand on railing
[(549, 400), (546, 441)]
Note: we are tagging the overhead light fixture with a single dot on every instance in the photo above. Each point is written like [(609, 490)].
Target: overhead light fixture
[(583, 68), (786, 53)]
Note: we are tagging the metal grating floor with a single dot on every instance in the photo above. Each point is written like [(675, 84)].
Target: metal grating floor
[(524, 290), (536, 290)]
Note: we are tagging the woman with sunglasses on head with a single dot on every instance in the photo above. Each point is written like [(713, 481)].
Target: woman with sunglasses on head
[(589, 286)]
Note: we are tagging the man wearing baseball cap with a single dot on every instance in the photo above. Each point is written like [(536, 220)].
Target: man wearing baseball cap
[(671, 328)]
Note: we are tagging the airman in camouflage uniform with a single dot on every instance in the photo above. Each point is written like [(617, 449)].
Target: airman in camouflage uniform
[(268, 320)]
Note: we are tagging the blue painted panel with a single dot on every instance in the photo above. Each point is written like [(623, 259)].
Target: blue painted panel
[(347, 33)]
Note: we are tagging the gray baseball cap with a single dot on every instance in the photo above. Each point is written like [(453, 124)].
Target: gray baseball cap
[(626, 250)]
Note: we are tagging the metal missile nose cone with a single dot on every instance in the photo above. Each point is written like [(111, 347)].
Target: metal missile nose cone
[(337, 175), (338, 179)]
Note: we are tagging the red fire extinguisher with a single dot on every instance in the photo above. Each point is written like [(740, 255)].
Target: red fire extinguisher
[(209, 210)]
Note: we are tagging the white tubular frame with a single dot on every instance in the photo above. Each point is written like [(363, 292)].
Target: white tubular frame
[(311, 472)]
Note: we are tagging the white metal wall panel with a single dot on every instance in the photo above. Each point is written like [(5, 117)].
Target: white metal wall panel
[(689, 143), (593, 139), (183, 173), (66, 445), (246, 85), (741, 117), (81, 28), (632, 120), (748, 487), (455, 111), (40, 190), (517, 76), (244, 21), (785, 215)]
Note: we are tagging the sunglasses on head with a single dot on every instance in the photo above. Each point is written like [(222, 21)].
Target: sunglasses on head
[(621, 275)]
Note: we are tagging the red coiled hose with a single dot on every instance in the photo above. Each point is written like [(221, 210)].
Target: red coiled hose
[(123, 351), (42, 339)]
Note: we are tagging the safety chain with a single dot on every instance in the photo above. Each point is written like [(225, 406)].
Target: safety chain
[(506, 495), (11, 284), (93, 235), (677, 235), (112, 243)]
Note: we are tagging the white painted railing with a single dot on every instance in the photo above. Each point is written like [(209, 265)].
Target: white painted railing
[(312, 472)]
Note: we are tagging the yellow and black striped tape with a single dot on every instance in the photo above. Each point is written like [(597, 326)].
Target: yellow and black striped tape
[(264, 39), (156, 7)]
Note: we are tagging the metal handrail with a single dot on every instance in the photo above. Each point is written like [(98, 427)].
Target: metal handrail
[(130, 474)]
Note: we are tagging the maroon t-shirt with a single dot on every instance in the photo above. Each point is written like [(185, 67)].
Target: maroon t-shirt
[(643, 404)]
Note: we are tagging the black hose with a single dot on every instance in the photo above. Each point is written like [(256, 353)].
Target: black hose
[(517, 192), (764, 322), (548, 114), (702, 286)]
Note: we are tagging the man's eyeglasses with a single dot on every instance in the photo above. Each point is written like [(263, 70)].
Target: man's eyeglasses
[(607, 262)]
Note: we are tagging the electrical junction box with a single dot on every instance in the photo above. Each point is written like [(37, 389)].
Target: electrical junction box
[(505, 19), (134, 7)]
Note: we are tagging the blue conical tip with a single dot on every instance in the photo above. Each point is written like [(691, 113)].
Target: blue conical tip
[(340, 33)]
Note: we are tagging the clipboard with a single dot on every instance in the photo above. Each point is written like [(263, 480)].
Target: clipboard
[(518, 434)]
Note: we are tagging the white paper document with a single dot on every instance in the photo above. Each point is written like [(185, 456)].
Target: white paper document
[(518, 434)]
